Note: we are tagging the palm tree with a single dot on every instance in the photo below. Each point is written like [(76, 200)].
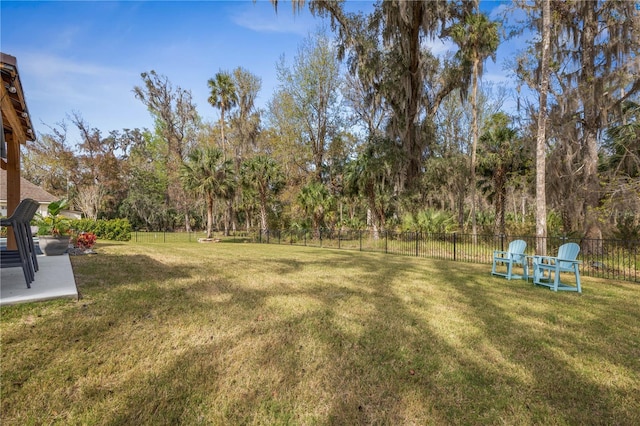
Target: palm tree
[(315, 199), (264, 177), (206, 173), (224, 97), (623, 141), (502, 154), (478, 40), (373, 175), (622, 166)]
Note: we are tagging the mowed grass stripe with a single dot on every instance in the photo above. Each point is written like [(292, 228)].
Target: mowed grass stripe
[(260, 334)]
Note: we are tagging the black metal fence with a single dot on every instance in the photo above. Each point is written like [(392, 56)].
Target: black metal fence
[(614, 259)]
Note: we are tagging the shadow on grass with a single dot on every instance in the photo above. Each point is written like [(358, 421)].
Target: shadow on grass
[(113, 270), (559, 348), (285, 339)]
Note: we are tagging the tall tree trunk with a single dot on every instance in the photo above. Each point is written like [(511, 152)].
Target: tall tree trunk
[(263, 218), (264, 223), (224, 142), (541, 199), (187, 222), (412, 75), (590, 124), (474, 129), (228, 223), (501, 197), (209, 215)]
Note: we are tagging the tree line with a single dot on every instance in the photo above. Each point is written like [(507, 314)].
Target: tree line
[(369, 128)]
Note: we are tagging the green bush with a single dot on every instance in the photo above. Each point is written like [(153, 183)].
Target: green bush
[(430, 221), (114, 229)]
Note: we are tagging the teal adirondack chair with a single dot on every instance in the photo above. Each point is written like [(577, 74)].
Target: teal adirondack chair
[(513, 256), (547, 269)]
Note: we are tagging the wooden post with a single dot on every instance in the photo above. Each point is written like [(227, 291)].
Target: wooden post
[(13, 184), (16, 128)]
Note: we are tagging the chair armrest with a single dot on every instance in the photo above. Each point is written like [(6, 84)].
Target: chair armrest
[(568, 261), (543, 260), (549, 259)]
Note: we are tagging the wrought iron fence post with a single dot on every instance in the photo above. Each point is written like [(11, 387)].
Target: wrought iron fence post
[(635, 262), (417, 239), (386, 241), (338, 238), (360, 236), (454, 246)]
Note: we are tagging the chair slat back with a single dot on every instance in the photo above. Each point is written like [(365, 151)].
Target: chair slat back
[(568, 251), (517, 247), (20, 212), (31, 211)]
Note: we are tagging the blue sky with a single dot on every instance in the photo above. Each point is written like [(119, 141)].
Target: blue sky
[(86, 56)]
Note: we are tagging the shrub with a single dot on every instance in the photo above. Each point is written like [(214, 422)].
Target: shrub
[(84, 240), (114, 229), (430, 221)]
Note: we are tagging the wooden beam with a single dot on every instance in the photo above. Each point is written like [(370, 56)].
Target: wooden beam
[(13, 137), (10, 117), (13, 183)]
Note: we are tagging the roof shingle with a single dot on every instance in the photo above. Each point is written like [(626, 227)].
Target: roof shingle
[(27, 190)]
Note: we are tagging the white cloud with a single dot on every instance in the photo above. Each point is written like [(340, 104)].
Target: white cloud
[(69, 84), (45, 65), (56, 87), (66, 37), (441, 47)]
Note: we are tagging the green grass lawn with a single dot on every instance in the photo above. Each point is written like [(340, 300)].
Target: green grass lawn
[(262, 334)]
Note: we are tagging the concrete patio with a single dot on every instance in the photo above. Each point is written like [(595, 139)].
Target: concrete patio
[(54, 280)]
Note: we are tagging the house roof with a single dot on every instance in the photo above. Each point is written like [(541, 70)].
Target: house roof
[(27, 190)]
